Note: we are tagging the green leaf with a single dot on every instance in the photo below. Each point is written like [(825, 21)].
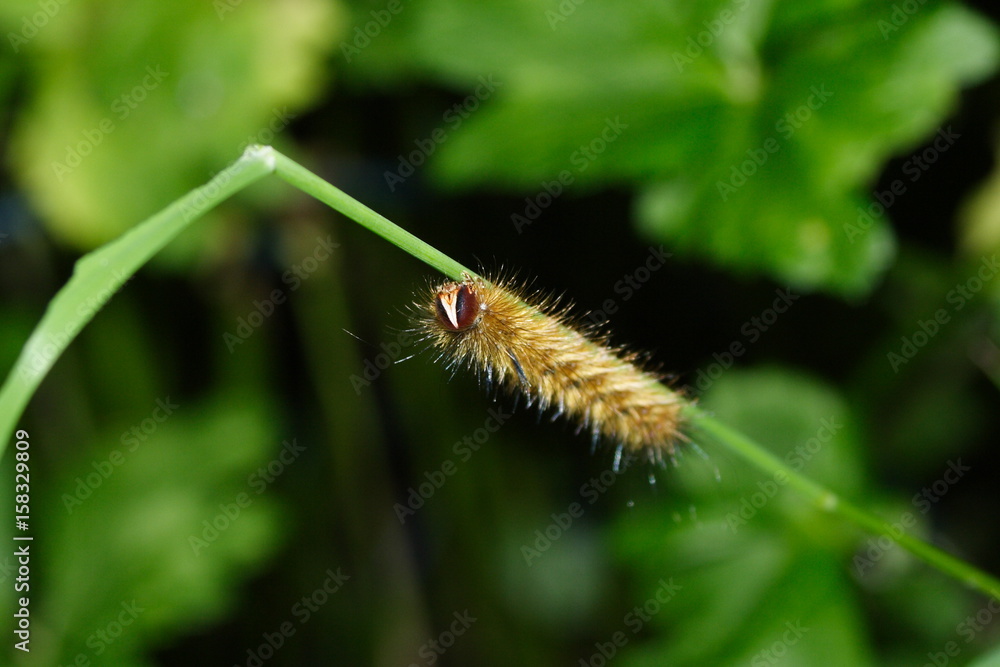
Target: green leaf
[(802, 421), (991, 659), (752, 132), (164, 521), (763, 575), (156, 91), (738, 595)]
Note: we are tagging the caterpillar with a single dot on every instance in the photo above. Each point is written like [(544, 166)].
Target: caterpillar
[(535, 346)]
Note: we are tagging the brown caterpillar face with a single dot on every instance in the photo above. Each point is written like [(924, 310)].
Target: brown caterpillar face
[(457, 306)]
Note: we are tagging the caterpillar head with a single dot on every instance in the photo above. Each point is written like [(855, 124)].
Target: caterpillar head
[(457, 306)]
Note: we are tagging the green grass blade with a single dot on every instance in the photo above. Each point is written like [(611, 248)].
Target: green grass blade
[(98, 275), (825, 500), (310, 183)]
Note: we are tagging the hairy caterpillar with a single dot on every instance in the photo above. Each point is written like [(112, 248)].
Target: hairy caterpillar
[(538, 350)]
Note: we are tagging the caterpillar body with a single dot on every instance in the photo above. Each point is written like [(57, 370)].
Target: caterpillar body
[(538, 349)]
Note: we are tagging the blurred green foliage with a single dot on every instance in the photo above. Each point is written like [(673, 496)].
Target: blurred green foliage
[(701, 97), (158, 87), (752, 139)]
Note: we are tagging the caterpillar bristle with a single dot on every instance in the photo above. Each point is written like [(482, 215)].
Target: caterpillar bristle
[(533, 347)]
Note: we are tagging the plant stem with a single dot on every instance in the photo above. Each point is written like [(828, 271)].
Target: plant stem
[(310, 183), (101, 273), (825, 500)]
